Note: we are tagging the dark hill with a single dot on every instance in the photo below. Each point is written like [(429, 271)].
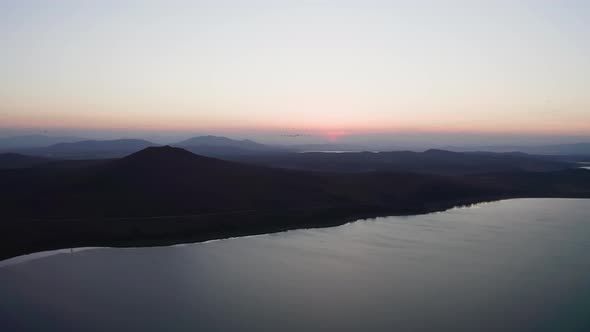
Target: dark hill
[(172, 181), (164, 156), (168, 195), (163, 180)]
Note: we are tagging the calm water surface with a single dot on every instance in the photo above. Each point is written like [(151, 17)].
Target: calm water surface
[(516, 265)]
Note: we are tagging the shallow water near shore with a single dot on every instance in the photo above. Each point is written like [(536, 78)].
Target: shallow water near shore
[(513, 265)]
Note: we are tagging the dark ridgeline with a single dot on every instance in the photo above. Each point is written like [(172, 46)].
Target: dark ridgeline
[(431, 161), (168, 195)]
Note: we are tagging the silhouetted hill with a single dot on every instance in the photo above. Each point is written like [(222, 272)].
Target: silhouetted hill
[(160, 156), (92, 149), (15, 160), (431, 161), (167, 195)]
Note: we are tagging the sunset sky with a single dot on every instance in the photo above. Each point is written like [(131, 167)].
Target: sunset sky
[(333, 67)]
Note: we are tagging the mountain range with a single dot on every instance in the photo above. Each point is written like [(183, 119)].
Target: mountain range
[(218, 146), (99, 149), (90, 149)]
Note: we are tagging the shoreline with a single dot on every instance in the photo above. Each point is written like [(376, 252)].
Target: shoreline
[(167, 231)]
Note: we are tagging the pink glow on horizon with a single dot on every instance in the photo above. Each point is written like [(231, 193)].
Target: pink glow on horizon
[(332, 134), (335, 135)]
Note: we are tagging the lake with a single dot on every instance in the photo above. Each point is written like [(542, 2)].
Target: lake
[(514, 265)]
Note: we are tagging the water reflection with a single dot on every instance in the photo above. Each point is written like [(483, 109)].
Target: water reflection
[(517, 265)]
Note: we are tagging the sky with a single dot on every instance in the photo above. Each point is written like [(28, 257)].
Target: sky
[(333, 69)]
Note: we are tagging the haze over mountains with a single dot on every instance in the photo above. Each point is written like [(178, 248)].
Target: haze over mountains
[(90, 149), (220, 144), (34, 141), (223, 146), (95, 149)]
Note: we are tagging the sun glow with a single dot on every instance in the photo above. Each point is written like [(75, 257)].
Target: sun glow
[(335, 135)]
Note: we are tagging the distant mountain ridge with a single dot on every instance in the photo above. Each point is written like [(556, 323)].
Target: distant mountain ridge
[(92, 149), (219, 141), (219, 146), (216, 146), (295, 157), (34, 141), (433, 161), (122, 144)]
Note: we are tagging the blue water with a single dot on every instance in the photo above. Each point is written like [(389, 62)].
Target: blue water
[(515, 265)]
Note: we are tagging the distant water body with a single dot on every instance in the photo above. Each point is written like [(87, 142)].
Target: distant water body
[(515, 265)]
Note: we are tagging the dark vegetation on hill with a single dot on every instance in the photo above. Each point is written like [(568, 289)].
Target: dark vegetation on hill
[(167, 195)]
